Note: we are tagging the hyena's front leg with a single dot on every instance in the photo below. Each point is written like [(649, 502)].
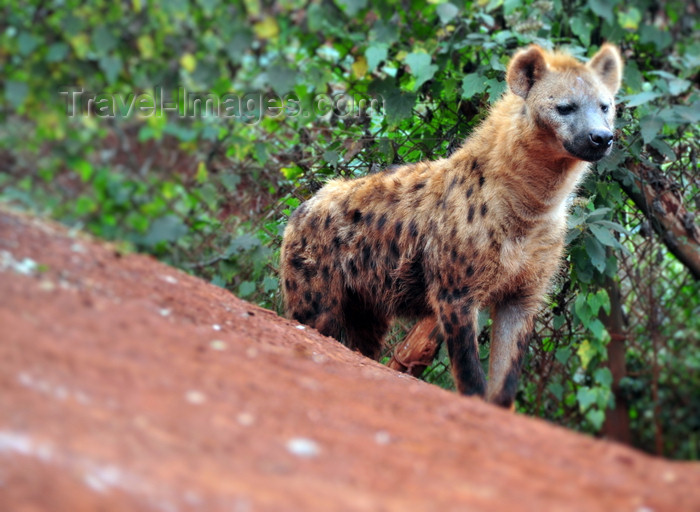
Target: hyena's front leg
[(512, 328), (458, 321)]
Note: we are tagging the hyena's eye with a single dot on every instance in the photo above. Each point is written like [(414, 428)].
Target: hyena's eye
[(566, 109), (604, 107)]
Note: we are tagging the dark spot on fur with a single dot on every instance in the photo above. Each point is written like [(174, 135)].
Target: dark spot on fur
[(418, 186), (327, 223), (475, 164), (325, 270), (369, 218), (381, 221), (366, 255), (470, 191), (458, 293), (453, 318), (413, 227), (337, 242), (353, 267), (482, 180), (397, 228), (394, 248), (388, 281), (453, 255), (470, 271), (484, 209), (492, 233), (470, 215), (452, 184), (357, 216), (297, 262)]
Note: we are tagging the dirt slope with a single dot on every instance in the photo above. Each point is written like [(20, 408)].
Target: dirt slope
[(128, 385)]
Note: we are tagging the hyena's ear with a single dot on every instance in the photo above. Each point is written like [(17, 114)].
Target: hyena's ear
[(525, 68), (607, 64)]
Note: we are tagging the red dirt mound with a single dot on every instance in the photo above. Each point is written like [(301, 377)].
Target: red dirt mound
[(128, 385)]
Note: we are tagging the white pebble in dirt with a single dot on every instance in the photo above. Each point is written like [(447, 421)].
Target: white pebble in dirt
[(303, 447)]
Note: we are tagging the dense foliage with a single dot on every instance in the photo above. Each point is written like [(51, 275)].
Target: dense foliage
[(96, 132)]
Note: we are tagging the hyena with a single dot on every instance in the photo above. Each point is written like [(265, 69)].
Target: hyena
[(440, 240)]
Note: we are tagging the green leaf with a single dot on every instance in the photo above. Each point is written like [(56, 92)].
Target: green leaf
[(242, 243), (399, 106), (375, 54), (582, 309), (167, 228), (421, 68), (602, 8), (496, 89), (678, 86), (582, 28), (650, 125), (598, 300), (282, 79), (597, 328), (331, 157), (246, 288), (586, 352), (663, 148), (629, 19), (614, 225), (603, 235), (270, 284), (603, 376), (112, 66), (596, 252), (447, 12), (351, 7), (472, 84), (640, 99), (596, 417), (586, 397), (57, 52), (16, 92), (648, 33), (292, 172), (557, 390), (563, 354), (26, 43)]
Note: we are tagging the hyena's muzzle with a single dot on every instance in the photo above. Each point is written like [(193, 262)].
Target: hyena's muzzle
[(593, 139)]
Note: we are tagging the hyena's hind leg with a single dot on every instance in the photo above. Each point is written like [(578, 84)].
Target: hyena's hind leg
[(364, 326), (312, 305)]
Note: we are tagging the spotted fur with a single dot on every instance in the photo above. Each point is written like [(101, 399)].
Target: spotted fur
[(441, 240)]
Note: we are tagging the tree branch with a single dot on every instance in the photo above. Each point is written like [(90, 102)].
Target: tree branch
[(654, 194)]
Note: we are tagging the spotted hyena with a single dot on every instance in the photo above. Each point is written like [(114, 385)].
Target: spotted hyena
[(440, 240)]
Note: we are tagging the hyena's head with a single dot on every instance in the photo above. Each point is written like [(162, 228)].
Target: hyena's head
[(572, 102)]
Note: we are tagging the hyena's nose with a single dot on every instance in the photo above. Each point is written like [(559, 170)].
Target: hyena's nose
[(601, 138)]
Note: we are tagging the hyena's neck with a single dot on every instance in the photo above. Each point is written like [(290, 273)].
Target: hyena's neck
[(534, 177)]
